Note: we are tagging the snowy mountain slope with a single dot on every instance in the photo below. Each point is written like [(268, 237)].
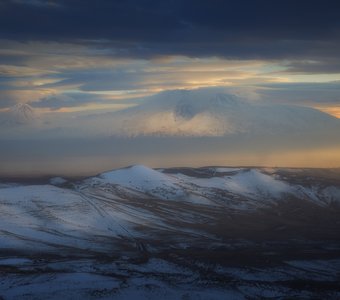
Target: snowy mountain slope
[(52, 217), (258, 187), (209, 112), (145, 180), (180, 113), (133, 201), (138, 232)]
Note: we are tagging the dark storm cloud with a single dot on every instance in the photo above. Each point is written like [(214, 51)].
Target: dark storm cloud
[(146, 28)]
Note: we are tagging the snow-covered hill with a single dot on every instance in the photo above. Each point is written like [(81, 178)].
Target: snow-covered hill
[(143, 233), (121, 202)]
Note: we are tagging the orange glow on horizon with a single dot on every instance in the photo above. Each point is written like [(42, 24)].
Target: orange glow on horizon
[(331, 110)]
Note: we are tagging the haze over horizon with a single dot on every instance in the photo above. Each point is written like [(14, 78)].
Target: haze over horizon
[(88, 86)]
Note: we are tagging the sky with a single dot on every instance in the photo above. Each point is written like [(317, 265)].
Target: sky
[(83, 56), (76, 55)]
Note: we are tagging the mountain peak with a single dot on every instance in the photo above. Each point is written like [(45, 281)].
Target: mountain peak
[(215, 112), (22, 113)]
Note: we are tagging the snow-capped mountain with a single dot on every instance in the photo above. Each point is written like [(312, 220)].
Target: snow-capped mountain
[(191, 113), (19, 114), (211, 112)]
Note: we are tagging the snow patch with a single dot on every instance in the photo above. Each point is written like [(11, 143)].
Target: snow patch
[(145, 179), (57, 181)]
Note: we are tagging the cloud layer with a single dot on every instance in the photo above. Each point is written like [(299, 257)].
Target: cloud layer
[(62, 54), (233, 29)]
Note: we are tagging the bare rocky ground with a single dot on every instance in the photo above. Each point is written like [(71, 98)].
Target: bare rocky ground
[(156, 244)]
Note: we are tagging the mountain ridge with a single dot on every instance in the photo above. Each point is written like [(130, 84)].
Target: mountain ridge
[(209, 113), (217, 227)]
